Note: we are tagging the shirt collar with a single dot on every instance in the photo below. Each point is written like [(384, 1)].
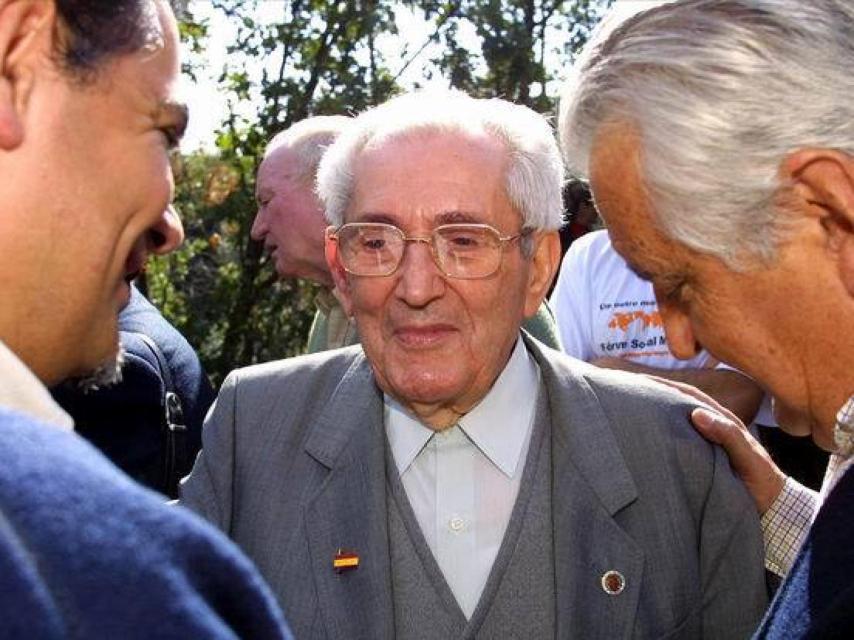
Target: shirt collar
[(325, 300), (22, 391), (498, 425), (843, 431), (406, 435)]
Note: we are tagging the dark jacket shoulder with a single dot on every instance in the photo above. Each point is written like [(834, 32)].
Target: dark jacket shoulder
[(817, 598)]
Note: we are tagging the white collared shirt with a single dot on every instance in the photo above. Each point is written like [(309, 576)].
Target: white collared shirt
[(21, 391), (462, 483)]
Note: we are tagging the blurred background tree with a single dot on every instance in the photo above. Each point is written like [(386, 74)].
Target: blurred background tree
[(313, 58)]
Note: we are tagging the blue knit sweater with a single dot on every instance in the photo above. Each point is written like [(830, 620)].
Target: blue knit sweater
[(817, 598), (87, 553)]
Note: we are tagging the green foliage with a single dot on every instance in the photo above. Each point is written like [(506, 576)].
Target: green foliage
[(193, 34), (524, 44), (320, 57)]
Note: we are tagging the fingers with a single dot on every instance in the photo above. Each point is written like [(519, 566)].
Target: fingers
[(713, 426), (747, 456), (694, 393)]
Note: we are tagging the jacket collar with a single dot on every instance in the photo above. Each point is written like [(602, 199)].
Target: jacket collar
[(580, 432), (348, 510)]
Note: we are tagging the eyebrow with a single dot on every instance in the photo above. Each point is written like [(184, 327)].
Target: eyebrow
[(176, 112), (371, 216), (640, 273), (448, 217), (456, 217)]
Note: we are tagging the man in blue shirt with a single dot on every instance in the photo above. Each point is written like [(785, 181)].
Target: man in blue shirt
[(87, 119)]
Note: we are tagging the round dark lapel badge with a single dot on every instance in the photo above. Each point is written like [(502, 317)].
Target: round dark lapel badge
[(613, 583)]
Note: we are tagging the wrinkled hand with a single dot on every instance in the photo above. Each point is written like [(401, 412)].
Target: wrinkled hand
[(747, 456)]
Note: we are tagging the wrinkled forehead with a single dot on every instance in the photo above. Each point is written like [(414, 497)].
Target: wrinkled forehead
[(430, 148), (155, 65), (279, 163), (393, 132), (616, 182), (616, 179), (155, 14), (422, 180)]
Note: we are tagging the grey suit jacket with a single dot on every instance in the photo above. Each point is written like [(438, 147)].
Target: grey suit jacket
[(292, 469)]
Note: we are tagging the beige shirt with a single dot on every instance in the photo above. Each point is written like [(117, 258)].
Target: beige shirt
[(21, 391)]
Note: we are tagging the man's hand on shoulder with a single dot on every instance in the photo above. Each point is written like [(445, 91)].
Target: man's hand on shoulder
[(749, 459), (728, 388)]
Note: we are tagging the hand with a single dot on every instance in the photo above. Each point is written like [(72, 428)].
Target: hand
[(748, 457)]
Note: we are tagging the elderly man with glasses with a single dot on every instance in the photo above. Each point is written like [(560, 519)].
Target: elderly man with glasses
[(452, 477)]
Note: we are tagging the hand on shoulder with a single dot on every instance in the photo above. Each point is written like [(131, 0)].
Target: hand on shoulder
[(748, 458)]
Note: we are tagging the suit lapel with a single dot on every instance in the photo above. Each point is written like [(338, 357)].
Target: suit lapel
[(349, 511), (590, 485)]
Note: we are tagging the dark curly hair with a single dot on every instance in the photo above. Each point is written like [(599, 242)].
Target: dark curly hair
[(93, 31)]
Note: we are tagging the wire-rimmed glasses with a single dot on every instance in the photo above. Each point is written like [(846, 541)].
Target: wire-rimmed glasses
[(467, 251)]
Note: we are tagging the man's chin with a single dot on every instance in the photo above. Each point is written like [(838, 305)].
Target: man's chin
[(104, 375)]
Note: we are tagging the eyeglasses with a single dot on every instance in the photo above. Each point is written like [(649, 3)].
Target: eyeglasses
[(467, 251)]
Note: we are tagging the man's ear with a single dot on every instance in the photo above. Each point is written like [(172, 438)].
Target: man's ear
[(25, 27), (823, 187), (339, 275), (544, 264)]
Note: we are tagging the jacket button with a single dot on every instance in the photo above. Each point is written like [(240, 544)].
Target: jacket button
[(613, 582)]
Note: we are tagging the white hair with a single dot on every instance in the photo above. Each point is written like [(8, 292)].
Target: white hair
[(308, 139), (719, 92), (534, 173)]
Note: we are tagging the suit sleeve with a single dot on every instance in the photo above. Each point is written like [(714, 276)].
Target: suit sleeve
[(208, 490), (731, 558)]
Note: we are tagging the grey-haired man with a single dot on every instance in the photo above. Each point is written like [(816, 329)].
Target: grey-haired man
[(718, 138)]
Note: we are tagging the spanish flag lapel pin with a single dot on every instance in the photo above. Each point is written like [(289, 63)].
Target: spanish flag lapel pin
[(345, 561)]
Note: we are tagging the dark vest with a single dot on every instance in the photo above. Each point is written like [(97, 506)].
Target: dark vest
[(518, 599)]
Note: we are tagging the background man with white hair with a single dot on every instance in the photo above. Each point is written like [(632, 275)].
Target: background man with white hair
[(291, 224), (455, 479), (718, 138), (87, 119)]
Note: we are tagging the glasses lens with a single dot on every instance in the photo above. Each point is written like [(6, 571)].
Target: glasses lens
[(369, 249), (467, 251)]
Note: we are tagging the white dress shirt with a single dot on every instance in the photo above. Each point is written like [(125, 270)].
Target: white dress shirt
[(462, 482), (21, 391)]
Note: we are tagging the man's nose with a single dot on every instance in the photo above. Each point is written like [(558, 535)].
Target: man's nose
[(419, 278), (259, 229), (167, 233), (680, 333)]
